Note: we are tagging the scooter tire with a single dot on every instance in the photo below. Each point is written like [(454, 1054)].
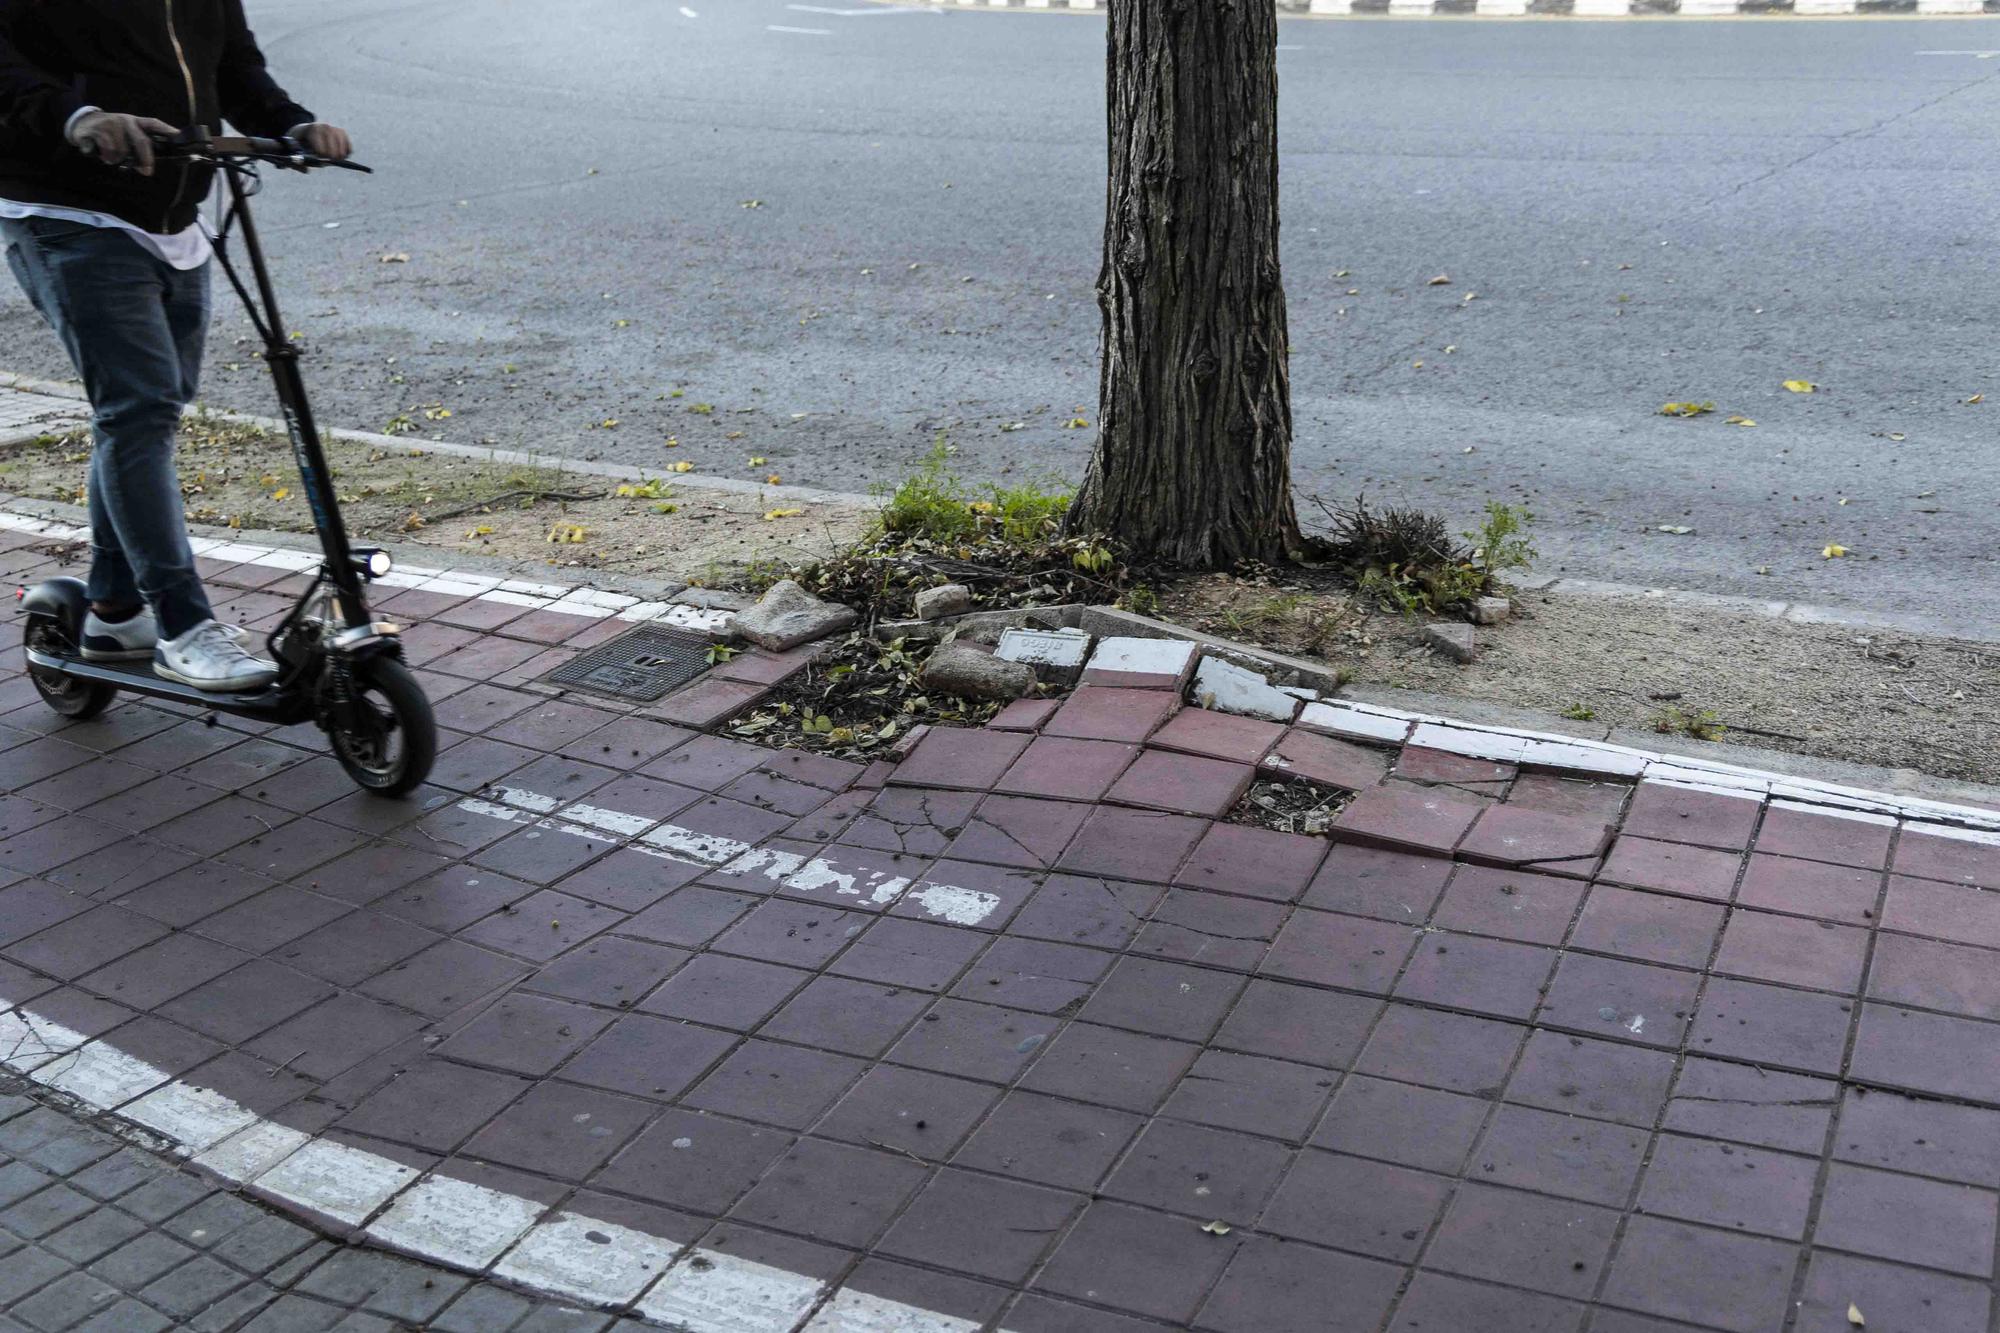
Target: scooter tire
[(77, 700), (416, 726)]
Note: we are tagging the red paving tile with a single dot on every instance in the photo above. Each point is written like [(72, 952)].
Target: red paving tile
[(1410, 1042), (1326, 761)]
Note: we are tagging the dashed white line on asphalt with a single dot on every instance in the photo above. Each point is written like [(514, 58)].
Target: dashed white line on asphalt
[(687, 13), (1976, 55), (876, 12), (808, 32)]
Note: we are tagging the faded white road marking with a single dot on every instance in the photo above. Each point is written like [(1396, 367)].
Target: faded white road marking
[(336, 1181), (588, 1260), (711, 1290), (804, 32), (687, 13), (1976, 55), (874, 11), (728, 856), (469, 1225)]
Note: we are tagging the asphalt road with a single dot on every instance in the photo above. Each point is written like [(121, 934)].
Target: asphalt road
[(1629, 213)]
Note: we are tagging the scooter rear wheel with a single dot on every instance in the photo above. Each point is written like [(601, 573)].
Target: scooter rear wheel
[(75, 699), (395, 752)]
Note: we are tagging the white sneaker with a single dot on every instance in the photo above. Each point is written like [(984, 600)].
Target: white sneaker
[(128, 640), (209, 657)]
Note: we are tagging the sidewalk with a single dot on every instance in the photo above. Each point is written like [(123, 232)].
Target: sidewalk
[(1019, 1032)]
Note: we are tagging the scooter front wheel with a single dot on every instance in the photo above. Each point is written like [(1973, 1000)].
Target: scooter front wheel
[(390, 748)]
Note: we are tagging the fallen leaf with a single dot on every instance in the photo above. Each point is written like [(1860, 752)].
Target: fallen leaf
[(1740, 420), (1441, 280), (683, 465), (398, 258), (1977, 398), (1833, 551), (481, 531), (782, 513), (773, 479), (1801, 386), (756, 462), (1854, 1315), (1685, 409), (1076, 423), (1678, 530), (1217, 1228)]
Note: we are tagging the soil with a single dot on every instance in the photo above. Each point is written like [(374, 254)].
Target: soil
[(1883, 697), (239, 475), (1291, 805)]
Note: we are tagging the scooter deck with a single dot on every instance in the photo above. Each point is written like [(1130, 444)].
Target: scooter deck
[(138, 678)]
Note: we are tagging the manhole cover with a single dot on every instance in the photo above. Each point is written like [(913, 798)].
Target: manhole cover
[(642, 663)]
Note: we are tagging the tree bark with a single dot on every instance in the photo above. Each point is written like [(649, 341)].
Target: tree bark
[(1193, 457)]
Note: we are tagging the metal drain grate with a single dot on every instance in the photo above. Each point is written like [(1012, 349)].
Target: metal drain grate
[(642, 664)]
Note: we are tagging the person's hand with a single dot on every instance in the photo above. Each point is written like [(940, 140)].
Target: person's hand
[(112, 137), (326, 140)]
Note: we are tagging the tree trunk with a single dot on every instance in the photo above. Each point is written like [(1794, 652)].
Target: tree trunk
[(1193, 457)]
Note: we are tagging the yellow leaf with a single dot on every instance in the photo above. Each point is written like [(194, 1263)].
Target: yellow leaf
[(1685, 409), (1834, 551), (1854, 1315), (1441, 280), (481, 531), (1977, 398), (609, 423), (1076, 423), (281, 493), (398, 258), (1216, 1228), (1740, 420), (782, 513), (682, 466), (756, 462), (621, 323), (1801, 386), (772, 479)]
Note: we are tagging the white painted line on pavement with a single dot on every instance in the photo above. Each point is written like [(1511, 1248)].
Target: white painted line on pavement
[(687, 13), (875, 11), (447, 1221), (804, 32)]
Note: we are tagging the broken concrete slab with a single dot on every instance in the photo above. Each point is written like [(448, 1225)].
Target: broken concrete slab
[(971, 672), (1228, 688), (953, 599), (1491, 610), (1278, 668), (788, 616), (1453, 640)]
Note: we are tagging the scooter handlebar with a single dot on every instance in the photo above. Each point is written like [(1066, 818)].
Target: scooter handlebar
[(199, 145)]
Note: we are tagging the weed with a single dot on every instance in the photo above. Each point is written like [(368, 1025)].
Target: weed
[(1702, 724), (1580, 713), (1502, 543), (1141, 600), (932, 504)]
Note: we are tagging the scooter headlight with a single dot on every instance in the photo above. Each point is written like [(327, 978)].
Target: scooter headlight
[(373, 562)]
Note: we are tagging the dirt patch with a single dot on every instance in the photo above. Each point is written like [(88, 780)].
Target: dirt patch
[(1289, 805), (239, 475), (1890, 698), (856, 701)]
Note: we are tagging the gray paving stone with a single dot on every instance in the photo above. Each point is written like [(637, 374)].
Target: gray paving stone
[(94, 1235), (128, 1316), (192, 1287), (13, 1104), (296, 1314), (263, 1244), (65, 1303), (26, 1271), (18, 1180), (232, 1310), (213, 1219), (562, 1319), (483, 1309), (50, 1210), (383, 1283), (26, 1132), (117, 1174), (142, 1259), (296, 1267), (163, 1196), (66, 1154), (363, 1322)]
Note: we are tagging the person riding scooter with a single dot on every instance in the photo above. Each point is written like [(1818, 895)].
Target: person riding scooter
[(108, 245)]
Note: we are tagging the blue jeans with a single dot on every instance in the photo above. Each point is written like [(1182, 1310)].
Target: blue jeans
[(133, 326)]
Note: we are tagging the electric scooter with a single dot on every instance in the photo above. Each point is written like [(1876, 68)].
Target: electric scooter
[(339, 666)]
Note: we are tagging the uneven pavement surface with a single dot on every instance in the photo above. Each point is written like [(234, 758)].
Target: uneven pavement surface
[(1020, 1032)]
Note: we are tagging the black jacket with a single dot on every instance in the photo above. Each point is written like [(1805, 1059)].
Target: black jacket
[(184, 62)]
